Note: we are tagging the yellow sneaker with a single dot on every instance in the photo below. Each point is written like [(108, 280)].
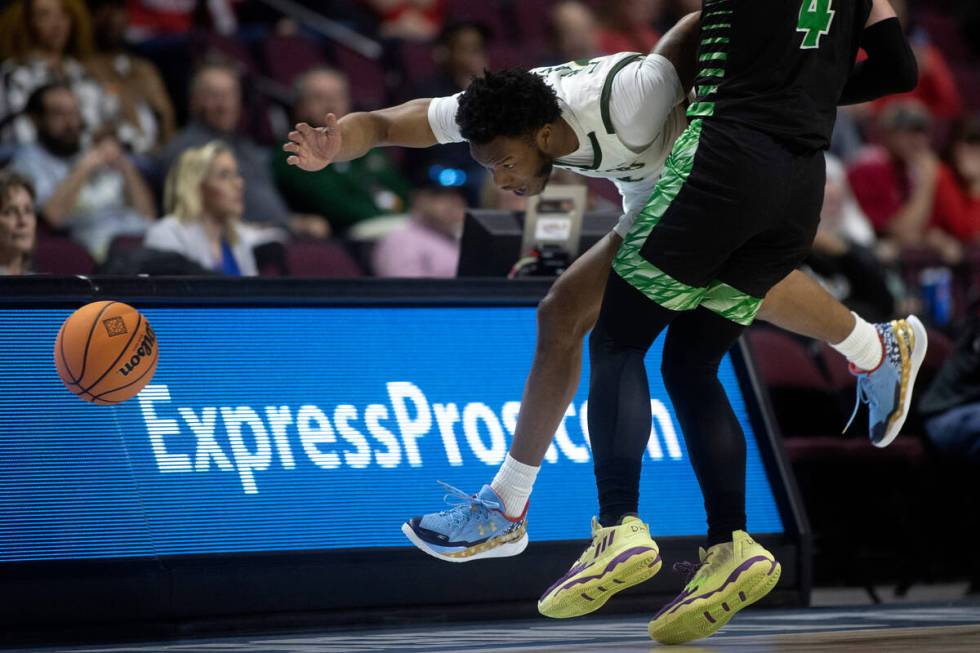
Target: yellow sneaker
[(619, 557), (731, 576)]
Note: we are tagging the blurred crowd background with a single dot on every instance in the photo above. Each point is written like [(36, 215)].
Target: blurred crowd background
[(144, 136)]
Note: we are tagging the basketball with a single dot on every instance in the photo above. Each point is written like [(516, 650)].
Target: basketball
[(106, 352)]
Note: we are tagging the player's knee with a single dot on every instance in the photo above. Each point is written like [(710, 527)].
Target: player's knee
[(560, 322), (681, 373)]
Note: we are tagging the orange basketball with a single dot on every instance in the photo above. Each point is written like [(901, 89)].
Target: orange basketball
[(106, 352)]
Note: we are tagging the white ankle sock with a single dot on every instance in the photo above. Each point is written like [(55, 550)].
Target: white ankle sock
[(863, 346), (513, 485)]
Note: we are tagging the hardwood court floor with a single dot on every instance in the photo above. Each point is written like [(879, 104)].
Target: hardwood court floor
[(950, 628)]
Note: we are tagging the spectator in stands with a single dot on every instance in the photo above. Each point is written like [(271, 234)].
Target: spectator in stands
[(896, 184), (411, 20), (962, 186), (154, 18), (346, 193), (574, 31), (937, 87), (951, 405), (134, 82), (627, 25), (461, 54), (43, 41), (216, 110), (18, 224), (843, 255), (204, 201), (428, 244), (95, 193)]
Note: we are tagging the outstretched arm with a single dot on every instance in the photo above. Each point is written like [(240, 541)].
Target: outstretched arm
[(314, 148), (890, 66), (680, 47)]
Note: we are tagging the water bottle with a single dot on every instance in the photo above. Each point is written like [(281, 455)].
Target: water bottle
[(936, 286)]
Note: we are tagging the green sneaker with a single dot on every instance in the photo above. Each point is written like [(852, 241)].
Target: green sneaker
[(730, 576), (618, 557)]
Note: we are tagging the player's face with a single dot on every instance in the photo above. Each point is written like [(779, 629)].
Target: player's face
[(517, 164)]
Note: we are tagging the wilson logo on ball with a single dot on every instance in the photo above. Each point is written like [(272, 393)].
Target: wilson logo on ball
[(115, 326), (145, 349)]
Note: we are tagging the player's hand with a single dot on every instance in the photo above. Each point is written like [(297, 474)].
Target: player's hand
[(314, 148)]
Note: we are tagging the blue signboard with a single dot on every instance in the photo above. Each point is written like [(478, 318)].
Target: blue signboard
[(276, 429)]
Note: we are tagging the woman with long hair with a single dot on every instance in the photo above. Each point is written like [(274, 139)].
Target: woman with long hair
[(203, 198), (45, 41)]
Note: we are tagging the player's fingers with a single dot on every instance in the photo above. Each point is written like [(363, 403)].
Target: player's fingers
[(295, 136), (331, 121), (291, 147), (293, 160), (305, 130)]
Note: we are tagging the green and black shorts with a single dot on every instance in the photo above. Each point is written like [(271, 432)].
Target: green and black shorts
[(734, 212)]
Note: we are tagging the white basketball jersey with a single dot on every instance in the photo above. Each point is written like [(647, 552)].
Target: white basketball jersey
[(584, 88)]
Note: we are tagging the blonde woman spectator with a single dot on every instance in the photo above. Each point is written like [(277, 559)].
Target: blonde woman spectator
[(18, 224), (204, 200)]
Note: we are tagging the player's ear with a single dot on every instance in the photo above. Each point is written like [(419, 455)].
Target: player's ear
[(543, 137)]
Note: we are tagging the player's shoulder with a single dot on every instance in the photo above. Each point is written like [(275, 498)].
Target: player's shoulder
[(591, 65)]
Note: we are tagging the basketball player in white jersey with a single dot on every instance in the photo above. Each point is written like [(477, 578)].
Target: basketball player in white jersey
[(614, 117)]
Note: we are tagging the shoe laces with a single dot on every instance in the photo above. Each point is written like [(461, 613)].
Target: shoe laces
[(863, 397), (464, 504), (691, 570)]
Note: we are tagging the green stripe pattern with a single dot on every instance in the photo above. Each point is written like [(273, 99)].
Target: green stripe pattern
[(731, 303), (629, 263), (716, 29), (657, 285)]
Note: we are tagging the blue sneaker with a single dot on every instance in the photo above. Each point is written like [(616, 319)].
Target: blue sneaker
[(887, 389), (474, 528)]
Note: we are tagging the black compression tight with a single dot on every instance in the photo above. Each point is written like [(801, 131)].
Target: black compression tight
[(619, 404)]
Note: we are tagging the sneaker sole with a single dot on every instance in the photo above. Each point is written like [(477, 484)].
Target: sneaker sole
[(478, 552), (920, 334), (590, 595), (704, 617)]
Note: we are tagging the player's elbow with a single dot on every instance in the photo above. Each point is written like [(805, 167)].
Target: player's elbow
[(907, 74)]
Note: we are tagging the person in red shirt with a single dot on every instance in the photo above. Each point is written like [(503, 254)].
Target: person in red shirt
[(627, 25), (902, 186), (960, 188), (937, 88)]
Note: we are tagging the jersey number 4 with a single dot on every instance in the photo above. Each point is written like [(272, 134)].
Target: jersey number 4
[(815, 19)]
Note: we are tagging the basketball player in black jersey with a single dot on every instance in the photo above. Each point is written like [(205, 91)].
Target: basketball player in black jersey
[(734, 212)]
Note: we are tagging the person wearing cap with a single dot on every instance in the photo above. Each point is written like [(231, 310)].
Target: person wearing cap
[(896, 184), (428, 244)]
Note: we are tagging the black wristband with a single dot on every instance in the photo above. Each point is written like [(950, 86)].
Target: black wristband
[(890, 67)]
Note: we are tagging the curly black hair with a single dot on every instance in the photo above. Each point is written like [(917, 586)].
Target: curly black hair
[(505, 103)]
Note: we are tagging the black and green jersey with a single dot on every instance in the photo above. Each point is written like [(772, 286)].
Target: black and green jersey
[(778, 65)]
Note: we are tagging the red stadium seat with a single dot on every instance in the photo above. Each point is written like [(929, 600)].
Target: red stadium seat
[(487, 12), (533, 17), (367, 78), (804, 402), (836, 368), (287, 57), (320, 258), (62, 256), (417, 62)]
